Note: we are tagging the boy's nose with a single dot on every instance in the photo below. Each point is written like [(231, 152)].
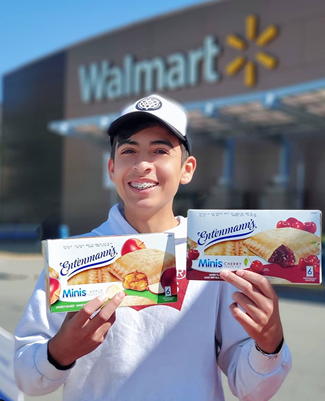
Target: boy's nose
[(142, 165)]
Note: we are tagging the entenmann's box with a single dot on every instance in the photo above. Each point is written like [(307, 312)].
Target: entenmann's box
[(284, 245), (79, 269)]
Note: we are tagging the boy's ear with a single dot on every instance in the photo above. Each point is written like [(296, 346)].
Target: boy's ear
[(111, 169), (188, 169)]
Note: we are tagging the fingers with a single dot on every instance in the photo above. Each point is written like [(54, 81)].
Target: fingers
[(256, 314), (79, 334), (250, 283), (84, 314), (107, 312), (242, 318), (256, 307), (266, 330), (259, 281), (92, 306), (70, 315)]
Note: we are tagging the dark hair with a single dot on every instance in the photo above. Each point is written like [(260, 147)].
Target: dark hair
[(133, 127)]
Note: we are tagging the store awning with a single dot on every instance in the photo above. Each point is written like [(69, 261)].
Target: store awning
[(298, 109)]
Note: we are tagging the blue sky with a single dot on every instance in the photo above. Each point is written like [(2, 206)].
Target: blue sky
[(30, 29)]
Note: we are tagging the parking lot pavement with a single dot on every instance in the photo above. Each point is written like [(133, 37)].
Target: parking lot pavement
[(302, 317), (18, 276), (304, 327)]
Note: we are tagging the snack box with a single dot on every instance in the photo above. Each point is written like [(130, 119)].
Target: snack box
[(79, 269), (284, 245)]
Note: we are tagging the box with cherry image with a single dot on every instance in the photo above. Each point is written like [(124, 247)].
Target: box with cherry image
[(77, 270), (283, 245)]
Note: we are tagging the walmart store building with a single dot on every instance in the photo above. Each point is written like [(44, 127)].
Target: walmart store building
[(250, 73)]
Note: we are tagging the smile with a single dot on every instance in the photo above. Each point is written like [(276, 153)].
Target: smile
[(142, 185)]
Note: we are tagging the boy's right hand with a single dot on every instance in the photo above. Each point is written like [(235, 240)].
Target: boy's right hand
[(79, 335)]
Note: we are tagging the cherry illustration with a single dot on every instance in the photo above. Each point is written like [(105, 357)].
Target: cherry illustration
[(193, 254), (310, 226), (283, 224), (311, 260), (257, 266), (298, 225), (292, 220)]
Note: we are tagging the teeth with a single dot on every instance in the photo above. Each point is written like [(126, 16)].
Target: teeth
[(143, 185)]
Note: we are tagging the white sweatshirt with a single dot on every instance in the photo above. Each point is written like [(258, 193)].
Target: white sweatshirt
[(155, 353)]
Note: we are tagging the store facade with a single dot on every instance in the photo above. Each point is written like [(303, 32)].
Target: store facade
[(251, 75)]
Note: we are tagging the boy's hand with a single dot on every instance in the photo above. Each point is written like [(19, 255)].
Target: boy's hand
[(258, 299), (79, 335)]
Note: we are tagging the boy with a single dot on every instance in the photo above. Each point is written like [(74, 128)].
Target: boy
[(150, 353)]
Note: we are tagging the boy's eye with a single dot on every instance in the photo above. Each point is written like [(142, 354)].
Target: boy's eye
[(161, 151), (126, 151)]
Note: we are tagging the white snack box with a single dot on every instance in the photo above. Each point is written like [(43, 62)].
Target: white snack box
[(79, 269), (284, 245)]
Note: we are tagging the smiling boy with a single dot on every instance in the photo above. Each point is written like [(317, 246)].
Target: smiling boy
[(148, 353), (147, 171)]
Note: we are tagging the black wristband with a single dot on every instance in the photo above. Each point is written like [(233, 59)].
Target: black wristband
[(274, 354), (279, 347), (55, 363)]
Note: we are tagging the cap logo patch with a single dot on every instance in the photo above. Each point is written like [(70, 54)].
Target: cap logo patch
[(148, 103)]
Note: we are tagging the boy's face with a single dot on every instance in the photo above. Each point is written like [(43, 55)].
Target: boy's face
[(147, 169)]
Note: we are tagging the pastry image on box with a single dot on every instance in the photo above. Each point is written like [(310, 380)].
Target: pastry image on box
[(151, 262), (283, 245), (191, 244), (231, 248), (92, 276), (80, 269)]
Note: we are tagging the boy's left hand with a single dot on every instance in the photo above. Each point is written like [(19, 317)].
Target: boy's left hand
[(258, 299)]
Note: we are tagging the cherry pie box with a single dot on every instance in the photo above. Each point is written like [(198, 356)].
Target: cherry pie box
[(283, 245), (80, 269)]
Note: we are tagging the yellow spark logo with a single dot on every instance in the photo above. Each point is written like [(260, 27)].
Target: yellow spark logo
[(266, 60)]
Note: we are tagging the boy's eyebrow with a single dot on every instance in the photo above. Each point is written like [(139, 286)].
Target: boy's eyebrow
[(157, 142), (162, 142), (128, 141)]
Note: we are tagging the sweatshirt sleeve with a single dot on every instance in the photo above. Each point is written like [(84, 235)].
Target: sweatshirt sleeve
[(34, 374), (251, 375)]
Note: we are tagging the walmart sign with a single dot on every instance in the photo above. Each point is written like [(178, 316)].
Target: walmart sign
[(102, 81)]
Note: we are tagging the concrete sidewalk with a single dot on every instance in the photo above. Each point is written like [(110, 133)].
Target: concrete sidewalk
[(304, 327)]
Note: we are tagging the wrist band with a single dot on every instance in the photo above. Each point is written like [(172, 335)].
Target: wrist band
[(273, 355), (55, 363)]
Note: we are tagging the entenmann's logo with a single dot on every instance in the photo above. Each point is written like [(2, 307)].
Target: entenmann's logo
[(233, 232), (70, 268)]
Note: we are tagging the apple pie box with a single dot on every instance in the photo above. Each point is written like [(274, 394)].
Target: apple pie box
[(284, 245), (79, 269)]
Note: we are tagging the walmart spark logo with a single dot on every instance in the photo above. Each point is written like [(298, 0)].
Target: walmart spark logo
[(263, 58)]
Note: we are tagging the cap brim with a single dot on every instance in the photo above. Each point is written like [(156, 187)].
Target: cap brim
[(143, 116)]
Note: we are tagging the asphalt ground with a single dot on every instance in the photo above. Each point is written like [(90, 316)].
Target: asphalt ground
[(302, 310)]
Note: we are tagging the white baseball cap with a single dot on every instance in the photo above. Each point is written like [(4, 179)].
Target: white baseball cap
[(155, 107)]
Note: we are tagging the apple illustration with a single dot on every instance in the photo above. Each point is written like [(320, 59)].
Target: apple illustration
[(156, 288), (168, 279), (132, 244), (55, 289)]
